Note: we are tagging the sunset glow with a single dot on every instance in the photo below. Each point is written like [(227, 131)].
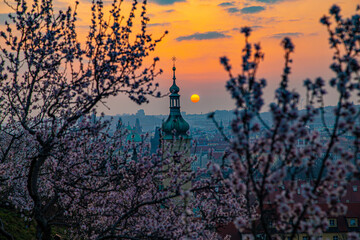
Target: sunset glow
[(202, 31)]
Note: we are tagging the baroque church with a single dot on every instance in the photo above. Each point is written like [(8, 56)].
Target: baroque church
[(175, 130)]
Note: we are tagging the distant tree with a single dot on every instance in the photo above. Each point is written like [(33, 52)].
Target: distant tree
[(265, 160)]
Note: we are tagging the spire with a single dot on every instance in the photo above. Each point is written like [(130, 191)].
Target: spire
[(174, 89), (119, 124), (175, 124), (174, 69)]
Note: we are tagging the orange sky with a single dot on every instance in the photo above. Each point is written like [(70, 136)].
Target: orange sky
[(201, 31)]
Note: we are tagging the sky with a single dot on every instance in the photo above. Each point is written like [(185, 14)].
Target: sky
[(202, 31)]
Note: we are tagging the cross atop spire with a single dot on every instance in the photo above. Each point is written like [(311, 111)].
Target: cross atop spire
[(174, 68)]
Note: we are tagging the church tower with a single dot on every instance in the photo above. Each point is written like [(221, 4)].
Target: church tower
[(175, 128)]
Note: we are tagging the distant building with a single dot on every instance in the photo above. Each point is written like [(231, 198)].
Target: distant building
[(140, 113), (138, 128), (155, 141), (133, 133)]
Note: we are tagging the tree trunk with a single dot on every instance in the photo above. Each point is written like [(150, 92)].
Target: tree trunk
[(43, 229)]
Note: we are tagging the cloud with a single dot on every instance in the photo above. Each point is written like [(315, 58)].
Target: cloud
[(260, 20), (227, 4), (294, 20), (169, 11), (203, 36), (167, 2), (272, 1), (230, 7), (252, 9), (256, 27), (158, 24), (233, 10), (245, 10), (268, 1), (253, 28), (290, 34), (314, 34)]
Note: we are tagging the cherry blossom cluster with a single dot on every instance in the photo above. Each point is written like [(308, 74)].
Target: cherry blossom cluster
[(97, 185)]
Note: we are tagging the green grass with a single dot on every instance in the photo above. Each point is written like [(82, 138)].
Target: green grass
[(16, 226), (19, 229)]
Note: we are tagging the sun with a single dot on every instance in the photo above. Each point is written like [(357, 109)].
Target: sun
[(195, 98)]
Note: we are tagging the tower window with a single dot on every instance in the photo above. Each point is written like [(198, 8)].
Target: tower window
[(352, 222), (332, 222)]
